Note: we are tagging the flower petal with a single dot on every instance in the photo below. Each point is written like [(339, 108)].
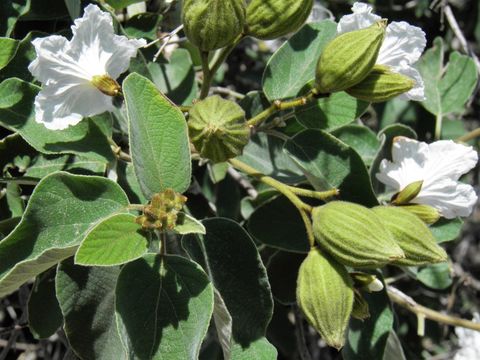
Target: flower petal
[(450, 197), (59, 106), (403, 45), (361, 18), (450, 160), (417, 93), (124, 50), (408, 157), (53, 61)]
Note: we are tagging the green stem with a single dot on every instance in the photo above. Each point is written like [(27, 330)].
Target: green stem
[(285, 190), (210, 71), (279, 105), (20, 181), (207, 78), (438, 126), (320, 195)]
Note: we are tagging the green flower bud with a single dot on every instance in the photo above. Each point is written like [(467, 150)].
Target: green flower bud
[(270, 19), (354, 235), (325, 296), (412, 235), (218, 129), (366, 282), (409, 193), (349, 58), (428, 214), (381, 84), (213, 24)]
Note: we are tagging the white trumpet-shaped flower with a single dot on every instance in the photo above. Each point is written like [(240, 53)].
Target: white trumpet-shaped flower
[(72, 71), (439, 165), (402, 47)]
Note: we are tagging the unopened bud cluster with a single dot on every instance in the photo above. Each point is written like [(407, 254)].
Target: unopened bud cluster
[(348, 63), (352, 235), (163, 211), (213, 24)]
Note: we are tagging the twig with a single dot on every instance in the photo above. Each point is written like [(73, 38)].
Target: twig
[(166, 41), (408, 303), (244, 183), (469, 136), (452, 21), (227, 91)]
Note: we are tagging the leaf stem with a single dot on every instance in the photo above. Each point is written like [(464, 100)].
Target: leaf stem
[(320, 195), (285, 190), (279, 105), (408, 303), (438, 126)]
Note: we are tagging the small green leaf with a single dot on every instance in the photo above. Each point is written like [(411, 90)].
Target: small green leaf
[(436, 276), (259, 349), (8, 48), (283, 229), (158, 138), (447, 88), (87, 299), (331, 112), (189, 225), (447, 230), (44, 314), (116, 240), (164, 305), (88, 138), (329, 163), (10, 11), (24, 55), (367, 339), (60, 212), (293, 64)]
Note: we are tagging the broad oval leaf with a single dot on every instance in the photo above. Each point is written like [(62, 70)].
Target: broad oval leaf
[(234, 265), (293, 64), (44, 314), (8, 48), (436, 276), (329, 163), (331, 112), (116, 240), (61, 210), (164, 304), (361, 139), (158, 138), (283, 229), (87, 299), (447, 229)]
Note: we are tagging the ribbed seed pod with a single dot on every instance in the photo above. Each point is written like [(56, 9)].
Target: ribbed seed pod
[(354, 235), (381, 84), (218, 129), (325, 296), (270, 19), (412, 235), (428, 214), (213, 24), (349, 58)]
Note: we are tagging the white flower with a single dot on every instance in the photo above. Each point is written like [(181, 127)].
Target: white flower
[(66, 69), (469, 342), (402, 47), (439, 165)]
